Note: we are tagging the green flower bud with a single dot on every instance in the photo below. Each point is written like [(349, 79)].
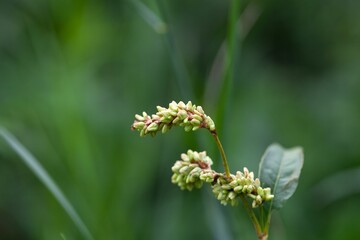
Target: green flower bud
[(198, 184), (189, 106), (173, 106), (152, 127), (182, 114), (197, 117), (139, 125), (195, 122), (165, 128), (231, 195), (188, 128), (181, 105), (200, 109), (238, 188), (176, 120), (183, 169), (160, 109), (195, 128)]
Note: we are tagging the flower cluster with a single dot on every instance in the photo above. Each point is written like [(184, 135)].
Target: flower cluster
[(192, 170), (189, 116), (228, 189), (195, 168)]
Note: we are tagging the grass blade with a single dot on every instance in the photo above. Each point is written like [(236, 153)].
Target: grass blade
[(232, 46), (150, 17), (162, 27), (45, 178)]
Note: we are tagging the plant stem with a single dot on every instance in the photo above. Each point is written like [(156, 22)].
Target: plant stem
[(261, 235), (222, 152)]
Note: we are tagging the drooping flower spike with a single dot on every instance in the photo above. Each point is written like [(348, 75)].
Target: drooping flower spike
[(189, 116)]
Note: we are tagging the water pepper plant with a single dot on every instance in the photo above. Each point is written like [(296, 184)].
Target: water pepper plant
[(279, 168)]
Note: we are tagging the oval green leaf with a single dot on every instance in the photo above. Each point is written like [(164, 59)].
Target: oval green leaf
[(280, 170)]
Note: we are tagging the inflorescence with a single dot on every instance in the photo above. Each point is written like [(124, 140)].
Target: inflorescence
[(189, 116), (194, 168)]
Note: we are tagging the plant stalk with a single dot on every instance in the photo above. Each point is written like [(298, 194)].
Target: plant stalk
[(262, 235), (222, 152)]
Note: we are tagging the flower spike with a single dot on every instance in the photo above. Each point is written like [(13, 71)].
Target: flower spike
[(189, 116)]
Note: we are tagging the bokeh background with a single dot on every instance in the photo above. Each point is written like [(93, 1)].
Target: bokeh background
[(74, 73)]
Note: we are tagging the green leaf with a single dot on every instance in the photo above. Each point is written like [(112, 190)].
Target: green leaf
[(280, 170)]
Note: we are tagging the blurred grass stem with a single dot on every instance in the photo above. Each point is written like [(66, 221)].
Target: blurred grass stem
[(45, 178), (162, 27), (232, 39), (150, 17), (180, 69)]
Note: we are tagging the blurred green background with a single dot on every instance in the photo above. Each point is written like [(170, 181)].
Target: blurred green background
[(74, 73)]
